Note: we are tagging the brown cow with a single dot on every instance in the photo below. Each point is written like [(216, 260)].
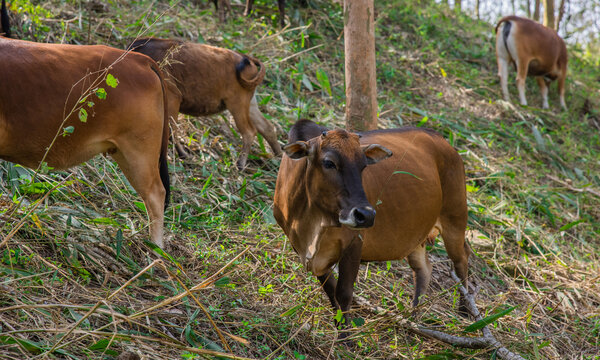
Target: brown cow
[(44, 84), (205, 80), (535, 50), (324, 182)]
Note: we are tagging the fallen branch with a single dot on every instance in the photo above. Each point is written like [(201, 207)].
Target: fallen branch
[(487, 341)]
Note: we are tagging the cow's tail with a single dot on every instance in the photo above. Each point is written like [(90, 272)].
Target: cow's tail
[(505, 33), (256, 77), (163, 165), (4, 21)]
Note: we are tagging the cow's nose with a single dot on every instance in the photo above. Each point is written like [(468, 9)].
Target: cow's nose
[(364, 217)]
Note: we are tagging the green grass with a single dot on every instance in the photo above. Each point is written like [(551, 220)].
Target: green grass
[(533, 180)]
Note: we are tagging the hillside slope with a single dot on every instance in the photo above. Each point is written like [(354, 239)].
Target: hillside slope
[(533, 192)]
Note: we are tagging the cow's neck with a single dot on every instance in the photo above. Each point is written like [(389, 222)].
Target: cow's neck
[(309, 221)]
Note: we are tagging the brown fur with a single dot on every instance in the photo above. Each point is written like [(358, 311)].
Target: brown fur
[(536, 51), (205, 80), (42, 83), (310, 199)]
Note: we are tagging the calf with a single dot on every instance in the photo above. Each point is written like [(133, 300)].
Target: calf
[(205, 80), (44, 89), (331, 183), (535, 50)]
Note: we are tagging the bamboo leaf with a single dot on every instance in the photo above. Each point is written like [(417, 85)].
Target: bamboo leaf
[(488, 320)]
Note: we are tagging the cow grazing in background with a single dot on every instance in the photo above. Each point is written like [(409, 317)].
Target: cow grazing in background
[(44, 89), (4, 20), (205, 80), (332, 183), (535, 50)]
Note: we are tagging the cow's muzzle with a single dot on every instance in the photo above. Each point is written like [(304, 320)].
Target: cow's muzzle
[(359, 217)]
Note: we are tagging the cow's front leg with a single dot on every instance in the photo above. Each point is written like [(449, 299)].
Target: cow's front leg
[(348, 265), (328, 283)]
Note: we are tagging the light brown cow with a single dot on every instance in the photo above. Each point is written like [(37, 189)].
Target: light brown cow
[(205, 80), (326, 198), (42, 84), (535, 50)]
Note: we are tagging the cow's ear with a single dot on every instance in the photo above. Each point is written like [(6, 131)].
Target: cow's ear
[(375, 153), (296, 150)]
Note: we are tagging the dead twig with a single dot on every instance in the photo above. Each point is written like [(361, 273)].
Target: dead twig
[(487, 341)]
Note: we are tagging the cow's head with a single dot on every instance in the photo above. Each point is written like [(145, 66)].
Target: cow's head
[(335, 161)]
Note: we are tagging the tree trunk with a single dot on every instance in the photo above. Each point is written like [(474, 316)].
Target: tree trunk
[(561, 13), (529, 9), (536, 11), (477, 9), (361, 82), (549, 13), (457, 5)]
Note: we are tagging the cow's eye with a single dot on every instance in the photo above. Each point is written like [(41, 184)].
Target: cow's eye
[(328, 164)]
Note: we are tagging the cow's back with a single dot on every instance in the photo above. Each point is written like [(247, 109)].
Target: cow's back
[(45, 83), (411, 191)]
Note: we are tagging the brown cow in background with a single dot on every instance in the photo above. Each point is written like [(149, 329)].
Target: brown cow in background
[(331, 184), (205, 80), (535, 50), (44, 84)]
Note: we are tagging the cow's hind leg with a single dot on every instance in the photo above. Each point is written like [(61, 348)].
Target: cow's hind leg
[(141, 168), (522, 67), (419, 263), (458, 251), (561, 90), (543, 84), (264, 127), (240, 111)]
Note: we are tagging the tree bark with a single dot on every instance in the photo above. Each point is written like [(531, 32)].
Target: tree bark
[(477, 9), (529, 9), (549, 13), (361, 81), (536, 11), (561, 13)]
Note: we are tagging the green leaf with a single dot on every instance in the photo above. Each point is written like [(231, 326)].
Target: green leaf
[(111, 81), (292, 310), (83, 115), (339, 316), (488, 320), (140, 205), (161, 252), (222, 281), (90, 103), (68, 130), (101, 93), (102, 345), (571, 224), (407, 173), (119, 239), (324, 80), (423, 121)]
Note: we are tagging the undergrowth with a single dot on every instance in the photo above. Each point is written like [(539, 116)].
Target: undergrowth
[(78, 281)]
